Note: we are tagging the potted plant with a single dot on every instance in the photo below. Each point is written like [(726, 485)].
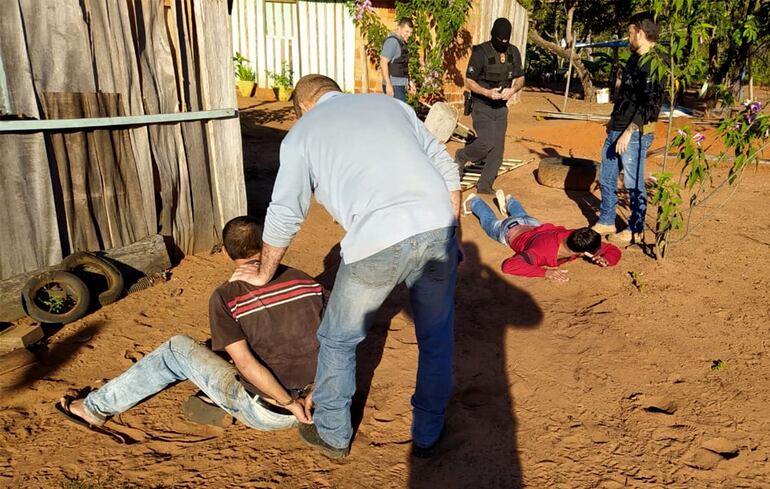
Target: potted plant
[(244, 75), (283, 81)]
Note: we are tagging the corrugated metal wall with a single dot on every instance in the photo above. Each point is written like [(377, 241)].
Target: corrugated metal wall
[(312, 36)]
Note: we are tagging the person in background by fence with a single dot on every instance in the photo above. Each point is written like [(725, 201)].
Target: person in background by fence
[(394, 61)]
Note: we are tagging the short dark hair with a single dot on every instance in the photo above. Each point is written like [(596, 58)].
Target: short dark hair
[(405, 21), (309, 88), (242, 237), (584, 239), (645, 22)]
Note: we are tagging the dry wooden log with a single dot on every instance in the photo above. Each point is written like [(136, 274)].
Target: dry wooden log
[(19, 336), (143, 258)]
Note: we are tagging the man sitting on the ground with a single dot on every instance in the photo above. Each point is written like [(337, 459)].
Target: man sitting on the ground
[(540, 248), (269, 332)]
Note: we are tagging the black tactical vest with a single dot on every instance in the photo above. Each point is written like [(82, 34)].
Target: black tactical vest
[(496, 73), (399, 67)]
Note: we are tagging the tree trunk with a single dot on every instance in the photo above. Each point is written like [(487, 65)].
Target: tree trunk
[(583, 73)]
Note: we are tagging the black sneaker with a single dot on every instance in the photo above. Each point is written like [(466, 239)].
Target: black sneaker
[(429, 451), (309, 434), (485, 190)]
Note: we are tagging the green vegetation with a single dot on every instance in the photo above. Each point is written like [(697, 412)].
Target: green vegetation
[(284, 78), (243, 70)]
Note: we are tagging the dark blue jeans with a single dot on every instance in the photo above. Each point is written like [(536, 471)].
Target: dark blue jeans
[(632, 162), (399, 92), (427, 263)]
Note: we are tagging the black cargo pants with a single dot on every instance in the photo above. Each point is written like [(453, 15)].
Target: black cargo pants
[(490, 124)]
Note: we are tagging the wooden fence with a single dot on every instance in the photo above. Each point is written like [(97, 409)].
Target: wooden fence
[(311, 36), (64, 191)]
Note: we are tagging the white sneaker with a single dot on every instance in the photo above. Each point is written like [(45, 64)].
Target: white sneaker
[(604, 229), (470, 197), (502, 202)]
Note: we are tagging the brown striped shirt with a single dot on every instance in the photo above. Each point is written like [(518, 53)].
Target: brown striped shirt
[(279, 322)]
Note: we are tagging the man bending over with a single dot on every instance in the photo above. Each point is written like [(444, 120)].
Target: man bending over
[(269, 332), (541, 249)]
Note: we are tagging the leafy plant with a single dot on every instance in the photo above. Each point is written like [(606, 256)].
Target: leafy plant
[(55, 298), (718, 365), (433, 46), (243, 70), (745, 136), (677, 64), (284, 78)]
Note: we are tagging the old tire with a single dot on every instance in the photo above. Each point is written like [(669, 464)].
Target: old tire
[(89, 261), (40, 292), (567, 173)]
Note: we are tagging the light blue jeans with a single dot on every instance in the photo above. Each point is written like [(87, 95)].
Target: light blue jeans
[(182, 358), (427, 263), (632, 162), (495, 228)]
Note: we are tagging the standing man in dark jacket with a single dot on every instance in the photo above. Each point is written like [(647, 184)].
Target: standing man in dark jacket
[(394, 61), (494, 75), (630, 133)]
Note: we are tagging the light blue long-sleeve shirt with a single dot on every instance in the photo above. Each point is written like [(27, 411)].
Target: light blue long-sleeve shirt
[(372, 164)]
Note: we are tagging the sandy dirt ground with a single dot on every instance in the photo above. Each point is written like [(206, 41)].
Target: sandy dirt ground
[(602, 382)]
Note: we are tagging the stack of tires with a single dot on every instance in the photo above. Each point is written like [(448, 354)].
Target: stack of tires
[(62, 296)]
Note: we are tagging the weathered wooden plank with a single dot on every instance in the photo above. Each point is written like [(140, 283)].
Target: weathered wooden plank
[(27, 203), (59, 48), (28, 218), (19, 336), (118, 72), (212, 28), (204, 234), (103, 202), (71, 166), (145, 257), (15, 360), (18, 95), (160, 96)]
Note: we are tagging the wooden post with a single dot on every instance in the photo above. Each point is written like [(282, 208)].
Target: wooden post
[(364, 67), (569, 75)]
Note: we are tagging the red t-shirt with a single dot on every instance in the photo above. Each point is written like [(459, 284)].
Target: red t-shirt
[(538, 247)]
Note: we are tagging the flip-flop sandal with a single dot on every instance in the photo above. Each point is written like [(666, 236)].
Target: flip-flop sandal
[(198, 410), (63, 406)]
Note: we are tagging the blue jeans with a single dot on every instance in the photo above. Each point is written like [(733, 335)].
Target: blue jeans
[(633, 178), (497, 229), (399, 92), (182, 358), (427, 263)]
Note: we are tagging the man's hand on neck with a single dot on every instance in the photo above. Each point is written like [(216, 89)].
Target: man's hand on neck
[(262, 272)]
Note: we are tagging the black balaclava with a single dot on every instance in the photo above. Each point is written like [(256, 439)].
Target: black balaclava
[(501, 29)]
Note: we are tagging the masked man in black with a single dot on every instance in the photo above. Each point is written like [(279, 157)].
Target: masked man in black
[(494, 75)]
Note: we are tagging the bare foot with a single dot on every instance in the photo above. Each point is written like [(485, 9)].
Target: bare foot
[(78, 408)]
